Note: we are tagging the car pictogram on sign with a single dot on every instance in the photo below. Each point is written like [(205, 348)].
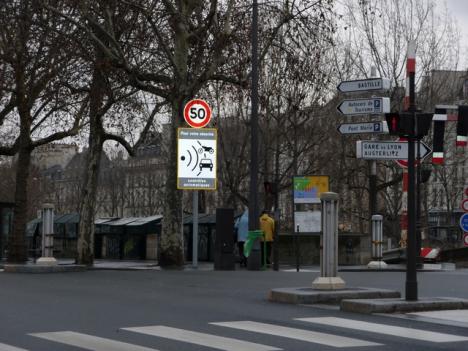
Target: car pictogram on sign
[(206, 163)]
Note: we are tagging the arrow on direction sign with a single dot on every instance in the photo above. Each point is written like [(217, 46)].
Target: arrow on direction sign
[(364, 85), (387, 150), (364, 106), (369, 127)]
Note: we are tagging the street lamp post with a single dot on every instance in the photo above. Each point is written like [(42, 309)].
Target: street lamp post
[(254, 258)]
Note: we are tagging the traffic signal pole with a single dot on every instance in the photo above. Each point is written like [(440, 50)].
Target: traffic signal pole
[(411, 274), (253, 263)]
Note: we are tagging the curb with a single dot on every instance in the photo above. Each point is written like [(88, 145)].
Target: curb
[(308, 296), (29, 268), (368, 306)]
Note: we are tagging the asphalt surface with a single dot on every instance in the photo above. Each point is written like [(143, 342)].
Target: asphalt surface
[(101, 303)]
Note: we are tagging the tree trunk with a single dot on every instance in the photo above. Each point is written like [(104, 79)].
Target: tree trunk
[(17, 252), (172, 244), (172, 248), (85, 254)]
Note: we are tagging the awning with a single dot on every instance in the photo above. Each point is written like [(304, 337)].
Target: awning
[(145, 220), (203, 218), (145, 225), (31, 227), (67, 218)]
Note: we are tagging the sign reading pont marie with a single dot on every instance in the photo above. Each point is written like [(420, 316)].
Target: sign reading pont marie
[(196, 159)]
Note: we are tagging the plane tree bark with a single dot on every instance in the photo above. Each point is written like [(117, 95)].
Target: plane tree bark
[(36, 108)]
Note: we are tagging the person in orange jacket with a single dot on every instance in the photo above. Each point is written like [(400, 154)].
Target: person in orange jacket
[(267, 225)]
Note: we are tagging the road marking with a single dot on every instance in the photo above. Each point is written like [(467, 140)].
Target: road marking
[(5, 347), (298, 334), (301, 270), (89, 342), (451, 315), (213, 341), (409, 333)]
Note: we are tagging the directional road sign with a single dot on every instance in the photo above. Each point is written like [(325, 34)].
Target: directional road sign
[(196, 159), (364, 85), (358, 128), (386, 150), (375, 105), (464, 222)]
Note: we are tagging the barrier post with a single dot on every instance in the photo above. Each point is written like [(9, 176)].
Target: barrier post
[(377, 241), (47, 236), (328, 279)]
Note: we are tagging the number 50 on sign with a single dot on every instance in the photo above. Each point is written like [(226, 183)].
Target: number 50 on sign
[(197, 113)]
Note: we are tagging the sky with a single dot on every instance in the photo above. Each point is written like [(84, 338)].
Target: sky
[(459, 10)]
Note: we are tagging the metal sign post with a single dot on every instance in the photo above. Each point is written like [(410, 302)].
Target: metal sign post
[(370, 106), (195, 230), (196, 159)]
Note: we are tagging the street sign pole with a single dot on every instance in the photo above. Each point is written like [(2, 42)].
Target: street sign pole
[(372, 180), (411, 274), (195, 230), (418, 198)]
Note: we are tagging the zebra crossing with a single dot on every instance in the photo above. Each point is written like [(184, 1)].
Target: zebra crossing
[(303, 333)]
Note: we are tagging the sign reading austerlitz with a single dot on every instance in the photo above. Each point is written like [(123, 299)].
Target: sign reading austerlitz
[(386, 150), (196, 159)]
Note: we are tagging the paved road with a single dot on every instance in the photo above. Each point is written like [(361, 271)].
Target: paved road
[(206, 310)]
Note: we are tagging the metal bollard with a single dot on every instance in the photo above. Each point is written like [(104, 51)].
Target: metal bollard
[(377, 237), (47, 236), (377, 241), (328, 279)]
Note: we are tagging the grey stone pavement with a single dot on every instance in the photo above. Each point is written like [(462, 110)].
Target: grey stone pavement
[(97, 307)]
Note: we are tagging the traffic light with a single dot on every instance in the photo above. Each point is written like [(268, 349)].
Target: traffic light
[(423, 122), (393, 123), (403, 125), (400, 124)]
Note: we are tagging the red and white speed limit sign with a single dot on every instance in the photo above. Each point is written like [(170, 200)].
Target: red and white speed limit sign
[(464, 205), (197, 113)]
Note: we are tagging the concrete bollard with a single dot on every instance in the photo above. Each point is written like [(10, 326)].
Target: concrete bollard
[(47, 236), (377, 241), (328, 279)]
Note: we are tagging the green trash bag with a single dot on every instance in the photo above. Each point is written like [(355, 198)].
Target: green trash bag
[(251, 237)]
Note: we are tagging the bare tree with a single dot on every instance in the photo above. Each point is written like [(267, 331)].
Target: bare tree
[(34, 60), (188, 44), (376, 33)]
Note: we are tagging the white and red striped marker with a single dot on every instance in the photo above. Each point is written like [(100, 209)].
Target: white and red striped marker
[(429, 253)]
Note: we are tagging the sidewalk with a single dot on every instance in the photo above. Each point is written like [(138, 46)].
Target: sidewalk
[(106, 264)]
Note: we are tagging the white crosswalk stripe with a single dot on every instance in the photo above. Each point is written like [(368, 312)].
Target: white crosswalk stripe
[(202, 339), (5, 347), (298, 334), (89, 342), (450, 315), (410, 333)]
